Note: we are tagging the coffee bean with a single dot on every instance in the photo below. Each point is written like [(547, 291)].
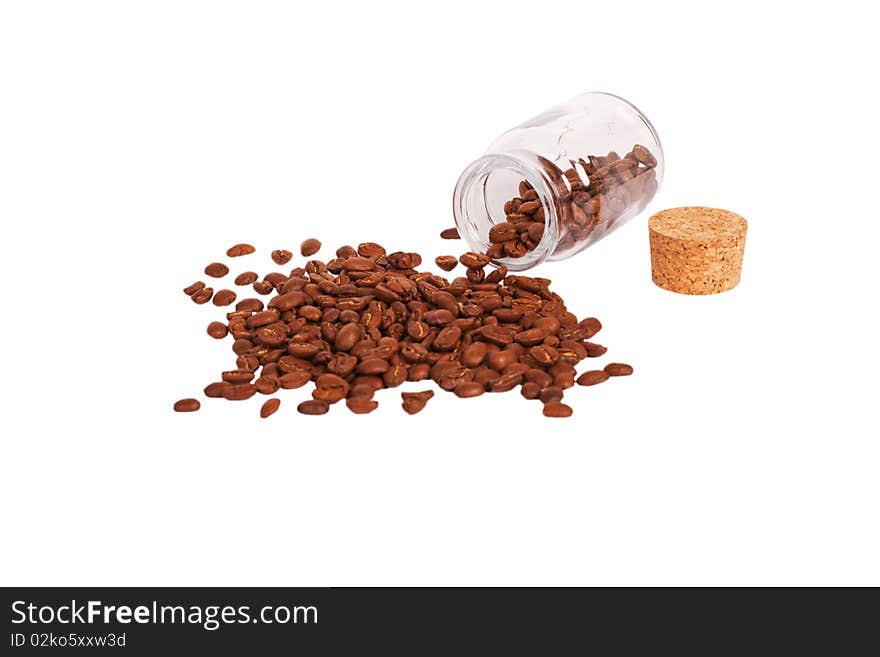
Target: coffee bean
[(224, 297), (267, 385), (313, 407), (474, 260), (530, 390), (202, 296), (370, 250), (446, 263), (217, 389), (361, 405), (294, 379), (246, 278), (239, 392), (450, 234), (592, 377), (503, 232), (187, 405), (310, 247), (269, 407), (217, 330), (618, 369), (594, 350), (217, 270), (469, 389), (551, 394), (557, 409), (263, 287), (414, 402), (330, 388), (281, 256), (372, 366), (239, 250), (195, 287)]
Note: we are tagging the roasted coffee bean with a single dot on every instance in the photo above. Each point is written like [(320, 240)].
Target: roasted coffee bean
[(281, 256), (267, 385), (269, 407), (503, 232), (557, 409), (592, 377), (370, 250), (187, 405), (594, 350), (216, 270), (217, 330), (372, 366), (469, 389), (446, 263), (414, 402), (309, 247), (507, 382), (263, 287), (450, 234), (199, 285), (551, 394), (246, 278), (447, 339), (294, 379), (202, 296), (347, 337), (238, 376), (530, 390), (644, 156), (330, 388), (224, 297), (361, 405), (217, 389), (239, 250), (313, 407), (618, 369), (239, 392), (474, 260)]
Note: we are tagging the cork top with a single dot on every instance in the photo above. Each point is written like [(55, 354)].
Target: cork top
[(698, 224)]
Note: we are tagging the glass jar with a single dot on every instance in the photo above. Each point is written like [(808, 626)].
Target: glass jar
[(556, 184)]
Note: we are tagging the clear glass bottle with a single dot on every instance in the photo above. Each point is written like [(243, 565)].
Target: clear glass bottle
[(556, 184)]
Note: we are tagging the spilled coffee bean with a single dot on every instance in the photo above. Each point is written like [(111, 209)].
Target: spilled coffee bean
[(368, 320)]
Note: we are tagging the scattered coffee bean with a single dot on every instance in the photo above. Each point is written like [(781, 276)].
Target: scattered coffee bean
[(217, 330), (361, 405), (216, 270), (239, 250), (224, 297), (281, 256), (446, 263), (187, 405), (310, 247), (313, 407), (368, 320), (557, 409), (450, 234), (415, 402), (202, 296), (246, 278), (618, 369), (269, 407), (195, 287), (592, 377)]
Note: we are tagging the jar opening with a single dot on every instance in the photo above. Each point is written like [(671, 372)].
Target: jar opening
[(478, 204)]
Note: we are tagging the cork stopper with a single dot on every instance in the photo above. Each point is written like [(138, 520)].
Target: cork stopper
[(696, 250)]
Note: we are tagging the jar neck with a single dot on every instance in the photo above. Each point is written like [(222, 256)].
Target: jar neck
[(484, 187)]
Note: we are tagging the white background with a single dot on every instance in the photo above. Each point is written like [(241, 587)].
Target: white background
[(138, 140)]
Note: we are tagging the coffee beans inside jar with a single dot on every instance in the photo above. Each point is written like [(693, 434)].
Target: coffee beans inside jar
[(368, 320), (593, 192)]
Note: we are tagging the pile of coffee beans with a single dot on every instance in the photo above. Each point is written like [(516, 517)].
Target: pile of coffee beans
[(367, 320)]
